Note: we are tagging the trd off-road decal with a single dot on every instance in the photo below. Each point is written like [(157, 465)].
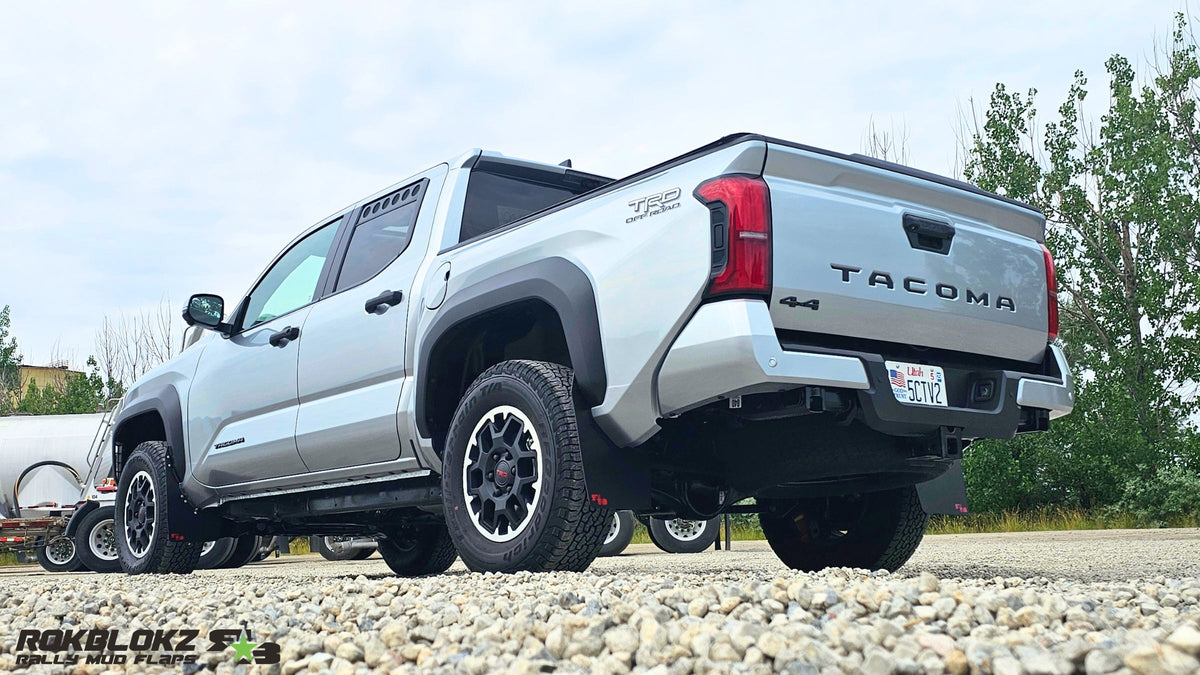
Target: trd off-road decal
[(652, 205)]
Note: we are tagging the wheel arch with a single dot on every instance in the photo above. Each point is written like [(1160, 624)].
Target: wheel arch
[(543, 311), (154, 417)]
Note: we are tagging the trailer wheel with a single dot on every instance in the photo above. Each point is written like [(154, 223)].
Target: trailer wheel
[(148, 542), (620, 533), (59, 555), (677, 535), (96, 541), (513, 487)]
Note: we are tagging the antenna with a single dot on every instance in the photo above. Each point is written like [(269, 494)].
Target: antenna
[(566, 163)]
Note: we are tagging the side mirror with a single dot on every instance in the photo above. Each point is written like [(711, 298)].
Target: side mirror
[(205, 311)]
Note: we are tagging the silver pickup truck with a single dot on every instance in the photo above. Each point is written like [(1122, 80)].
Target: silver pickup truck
[(490, 357)]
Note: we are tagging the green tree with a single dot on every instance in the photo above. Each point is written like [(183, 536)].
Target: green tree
[(79, 393), (10, 364), (1122, 207)]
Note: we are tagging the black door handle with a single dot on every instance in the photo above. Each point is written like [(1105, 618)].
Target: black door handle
[(927, 234), (386, 298), (284, 336)]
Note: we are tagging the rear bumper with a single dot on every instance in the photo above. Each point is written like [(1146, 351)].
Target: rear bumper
[(731, 349)]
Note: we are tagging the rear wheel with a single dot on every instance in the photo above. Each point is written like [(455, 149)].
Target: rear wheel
[(620, 533), (877, 530), (59, 555), (683, 536), (418, 551), (512, 482), (96, 541), (148, 541)]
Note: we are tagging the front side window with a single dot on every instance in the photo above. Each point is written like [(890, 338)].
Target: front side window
[(292, 282), (382, 231)]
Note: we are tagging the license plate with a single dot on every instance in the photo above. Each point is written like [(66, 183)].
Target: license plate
[(916, 383)]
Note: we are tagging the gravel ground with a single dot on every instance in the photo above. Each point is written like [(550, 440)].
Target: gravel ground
[(1093, 602)]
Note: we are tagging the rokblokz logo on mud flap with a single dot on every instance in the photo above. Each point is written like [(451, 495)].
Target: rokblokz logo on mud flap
[(143, 646)]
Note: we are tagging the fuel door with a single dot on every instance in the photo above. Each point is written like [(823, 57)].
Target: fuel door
[(437, 287)]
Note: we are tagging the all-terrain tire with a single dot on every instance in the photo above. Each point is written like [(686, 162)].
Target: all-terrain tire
[(684, 536), (147, 497), (95, 541), (60, 560), (877, 530), (548, 521), (418, 552), (620, 533)]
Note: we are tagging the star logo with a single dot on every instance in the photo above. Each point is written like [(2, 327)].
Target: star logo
[(243, 649)]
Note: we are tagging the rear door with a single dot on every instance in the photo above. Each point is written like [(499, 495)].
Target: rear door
[(867, 252), (352, 362)]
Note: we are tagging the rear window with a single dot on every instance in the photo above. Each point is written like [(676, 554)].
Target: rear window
[(499, 194)]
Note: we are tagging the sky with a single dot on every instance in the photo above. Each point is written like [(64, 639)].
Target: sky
[(151, 151)]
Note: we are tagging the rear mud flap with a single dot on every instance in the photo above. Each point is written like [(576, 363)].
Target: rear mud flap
[(946, 494), (618, 478)]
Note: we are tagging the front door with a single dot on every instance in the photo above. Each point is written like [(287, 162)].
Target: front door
[(243, 398)]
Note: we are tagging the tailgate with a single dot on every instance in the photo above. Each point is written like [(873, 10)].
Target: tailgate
[(900, 258)]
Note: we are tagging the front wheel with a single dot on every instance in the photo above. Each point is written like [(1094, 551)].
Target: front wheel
[(512, 483), (877, 530), (684, 536), (148, 541), (96, 541), (59, 555)]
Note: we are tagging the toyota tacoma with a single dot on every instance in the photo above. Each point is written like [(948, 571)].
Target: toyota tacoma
[(490, 357)]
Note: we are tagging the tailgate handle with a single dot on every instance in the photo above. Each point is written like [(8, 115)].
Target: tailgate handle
[(928, 235)]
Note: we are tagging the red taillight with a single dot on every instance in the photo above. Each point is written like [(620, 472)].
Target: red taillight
[(741, 234), (1051, 294)]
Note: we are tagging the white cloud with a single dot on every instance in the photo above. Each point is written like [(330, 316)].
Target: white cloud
[(154, 150)]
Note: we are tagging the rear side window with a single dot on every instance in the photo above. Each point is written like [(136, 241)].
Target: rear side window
[(499, 194), (382, 231)]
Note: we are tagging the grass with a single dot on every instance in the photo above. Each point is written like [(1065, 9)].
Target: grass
[(1047, 518), (1033, 520)]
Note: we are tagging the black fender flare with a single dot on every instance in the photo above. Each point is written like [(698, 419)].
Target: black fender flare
[(555, 281), (164, 401), (78, 516)]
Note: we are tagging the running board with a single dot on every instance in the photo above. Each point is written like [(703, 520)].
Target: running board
[(351, 499)]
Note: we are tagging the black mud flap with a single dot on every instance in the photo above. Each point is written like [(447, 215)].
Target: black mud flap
[(946, 494), (618, 478), (77, 517)]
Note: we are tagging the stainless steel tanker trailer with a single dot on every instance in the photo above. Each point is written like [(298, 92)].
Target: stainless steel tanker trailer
[(52, 469)]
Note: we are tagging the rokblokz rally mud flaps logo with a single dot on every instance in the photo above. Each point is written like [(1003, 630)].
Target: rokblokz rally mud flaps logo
[(143, 646)]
